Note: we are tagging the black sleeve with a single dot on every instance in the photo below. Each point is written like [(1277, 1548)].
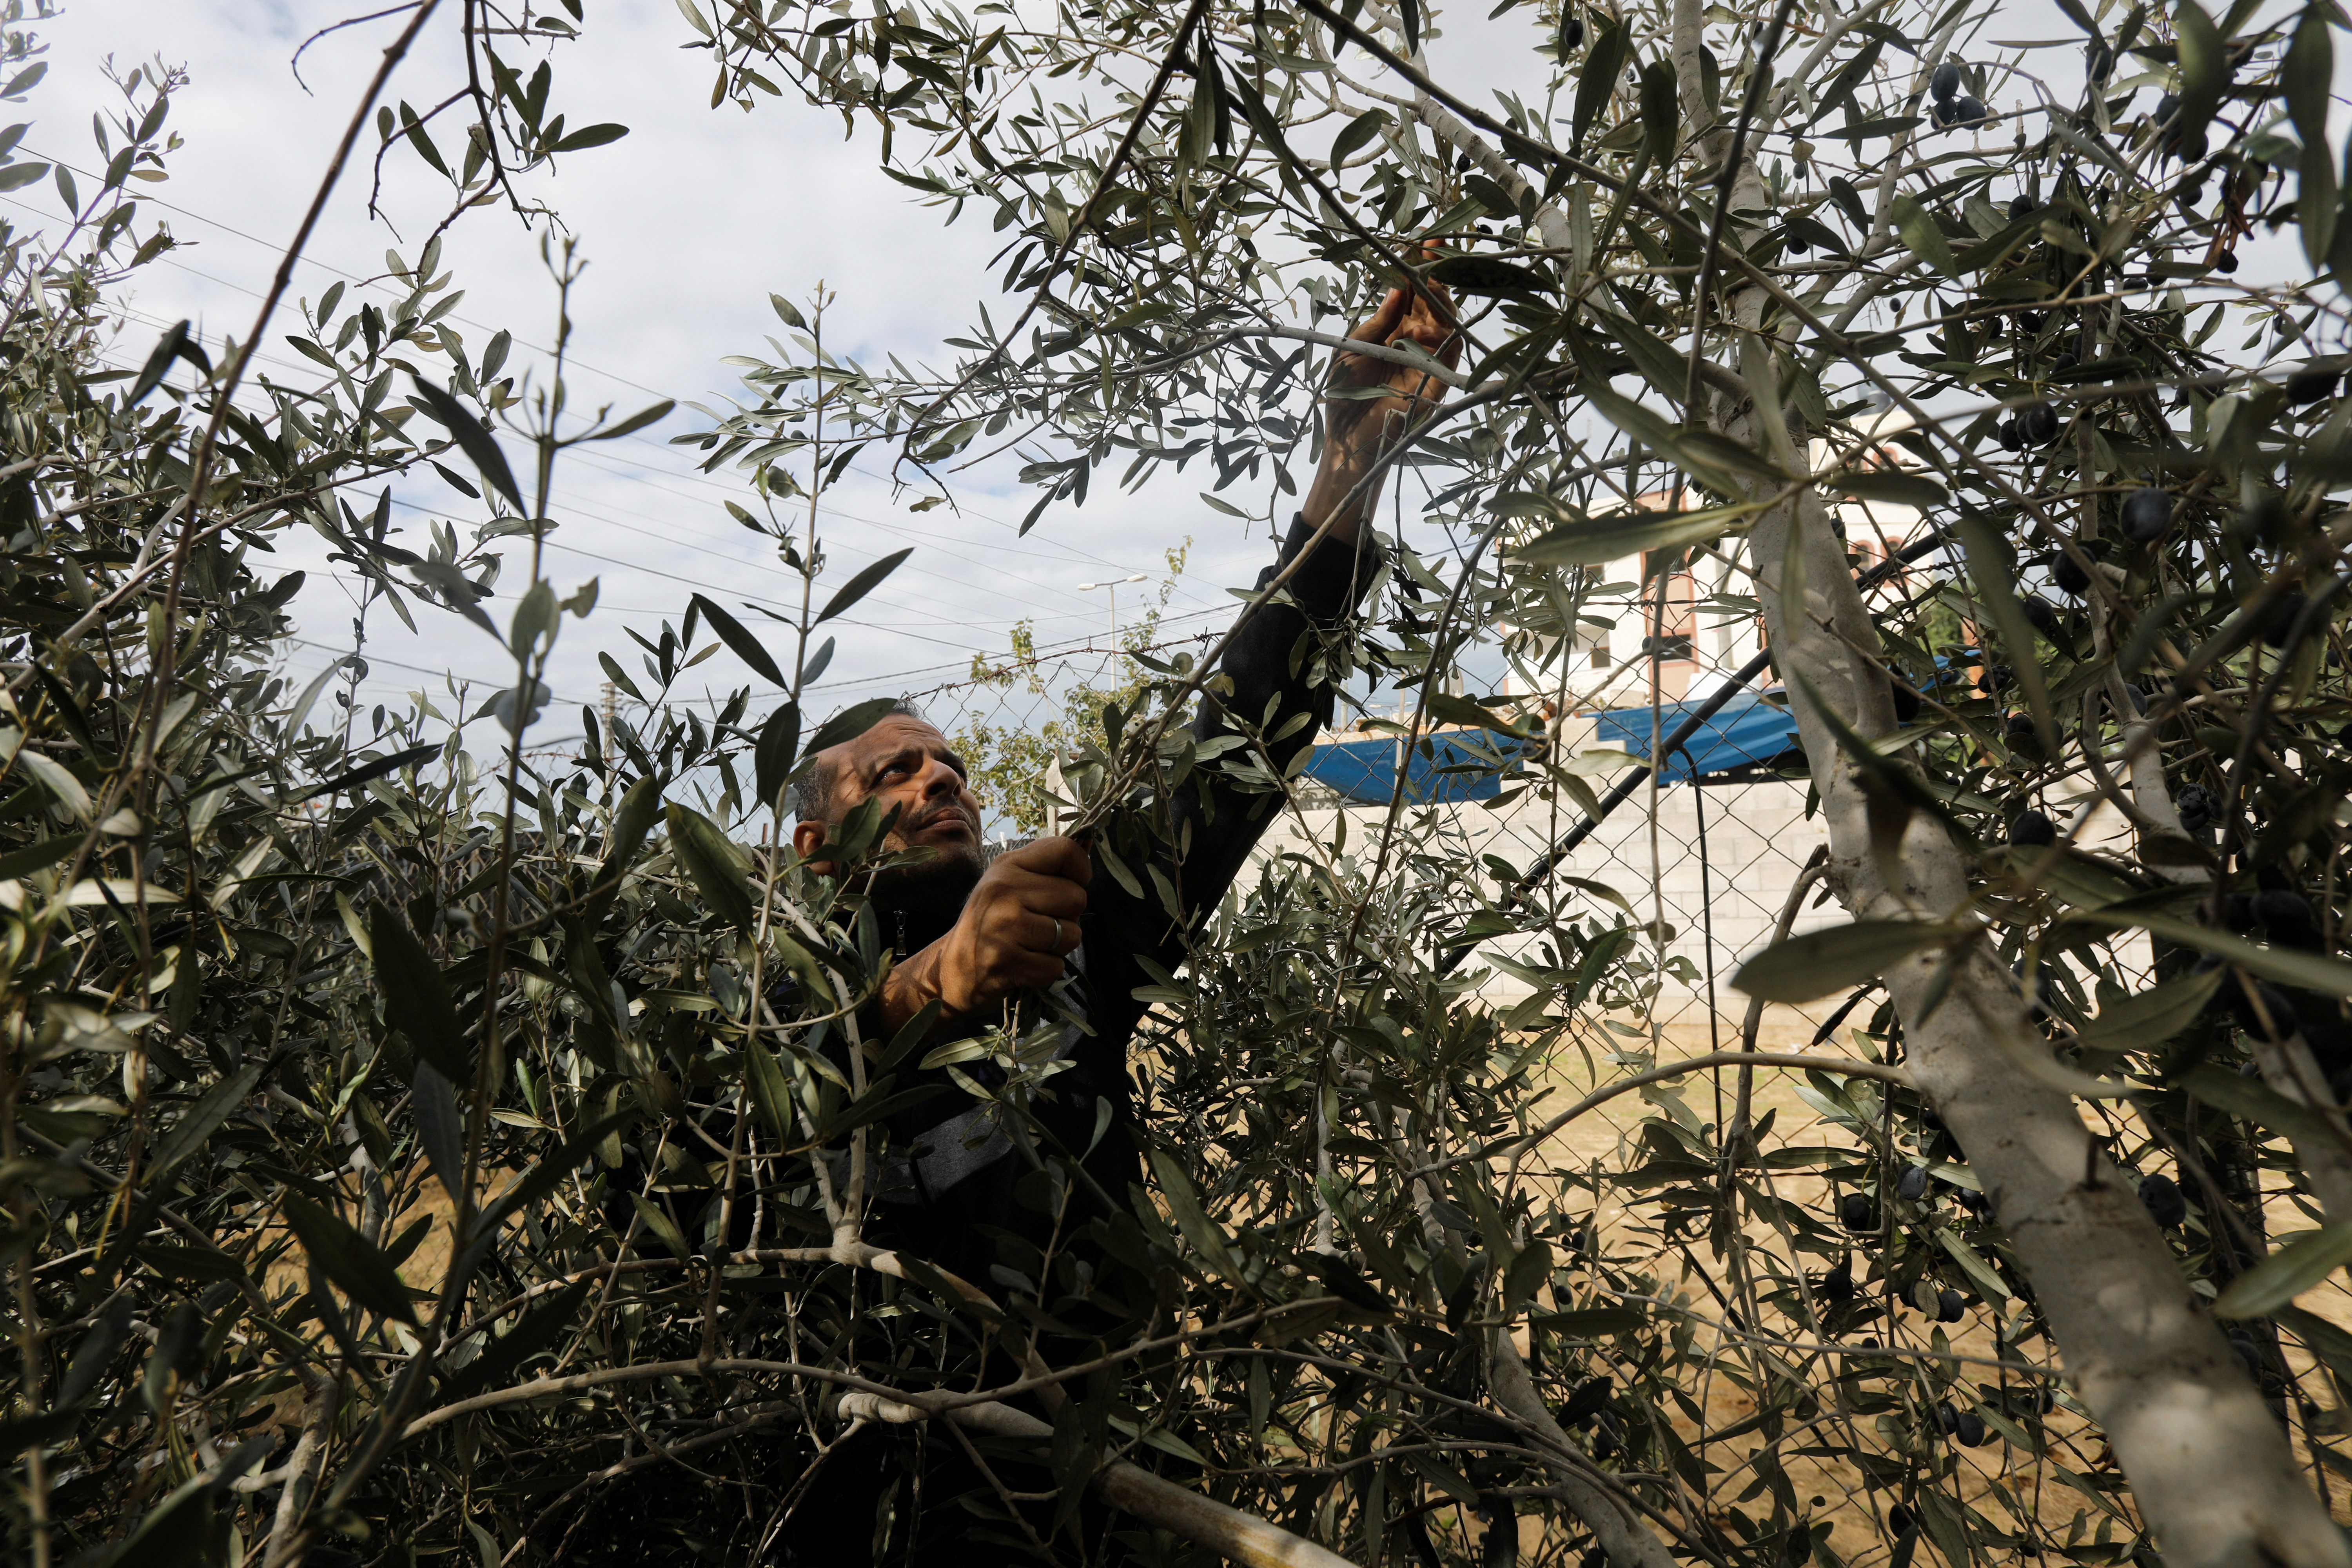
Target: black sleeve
[(1186, 839)]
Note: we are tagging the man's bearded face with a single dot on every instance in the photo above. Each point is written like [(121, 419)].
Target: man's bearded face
[(907, 763)]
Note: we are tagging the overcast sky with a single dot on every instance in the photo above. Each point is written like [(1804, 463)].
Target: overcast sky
[(687, 224)]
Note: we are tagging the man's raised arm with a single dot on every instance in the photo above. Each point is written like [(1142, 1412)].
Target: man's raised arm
[(1023, 917), (1360, 430), (1270, 663)]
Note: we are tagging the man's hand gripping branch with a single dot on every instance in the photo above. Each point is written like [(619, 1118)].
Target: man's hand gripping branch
[(1361, 430)]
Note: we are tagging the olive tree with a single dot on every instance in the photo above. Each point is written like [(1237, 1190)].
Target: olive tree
[(1766, 260), (409, 1150)]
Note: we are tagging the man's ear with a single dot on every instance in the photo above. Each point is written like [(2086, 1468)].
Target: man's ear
[(806, 837)]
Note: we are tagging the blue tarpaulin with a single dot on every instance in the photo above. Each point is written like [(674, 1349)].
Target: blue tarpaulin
[(1745, 731), (1365, 770)]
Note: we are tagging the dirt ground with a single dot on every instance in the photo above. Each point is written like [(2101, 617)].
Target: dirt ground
[(1997, 1480)]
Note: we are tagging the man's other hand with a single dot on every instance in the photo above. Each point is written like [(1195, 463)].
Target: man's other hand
[(1019, 923)]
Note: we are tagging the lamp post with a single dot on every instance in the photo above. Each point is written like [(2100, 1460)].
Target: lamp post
[(1112, 588)]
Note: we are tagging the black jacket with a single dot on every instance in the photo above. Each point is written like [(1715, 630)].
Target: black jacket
[(947, 1181)]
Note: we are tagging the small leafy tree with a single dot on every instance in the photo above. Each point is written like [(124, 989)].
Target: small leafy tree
[(1009, 758)]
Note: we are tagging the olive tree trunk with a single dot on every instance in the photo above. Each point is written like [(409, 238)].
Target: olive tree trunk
[(2209, 1464)]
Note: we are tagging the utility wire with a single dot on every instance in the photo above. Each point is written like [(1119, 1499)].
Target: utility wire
[(378, 282)]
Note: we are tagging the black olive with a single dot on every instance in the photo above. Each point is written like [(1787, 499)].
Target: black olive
[(2038, 612), (1971, 1200), (2022, 206), (2037, 425), (2165, 1204), (1837, 1286), (2166, 107), (1970, 112), (1996, 677), (2226, 262), (2308, 385), (2278, 629), (2006, 432), (2191, 150), (2066, 362), (2031, 829), (1914, 1185), (2249, 1352), (2101, 63), (1950, 1307), (1796, 245), (1948, 1420), (2282, 1020), (1590, 1397), (2031, 319), (2238, 911), (2067, 576), (1571, 34), (2147, 512), (1907, 704), (2282, 911), (1945, 82), (2137, 698), (2263, 518), (1858, 1213), (1898, 1519), (2041, 987), (2197, 807), (1971, 1429)]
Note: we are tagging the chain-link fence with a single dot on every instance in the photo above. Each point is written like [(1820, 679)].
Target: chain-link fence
[(1700, 856), (1703, 858)]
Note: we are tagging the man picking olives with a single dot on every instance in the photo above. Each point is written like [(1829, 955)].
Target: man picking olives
[(973, 934)]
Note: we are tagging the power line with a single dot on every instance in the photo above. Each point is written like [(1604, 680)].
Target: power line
[(378, 282), (954, 619), (669, 537)]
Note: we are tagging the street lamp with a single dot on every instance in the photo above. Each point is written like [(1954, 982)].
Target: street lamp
[(1112, 588)]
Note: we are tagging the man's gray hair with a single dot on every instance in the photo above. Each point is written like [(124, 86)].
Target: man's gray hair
[(811, 797)]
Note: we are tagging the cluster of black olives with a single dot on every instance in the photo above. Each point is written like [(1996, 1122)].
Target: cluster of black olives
[(1952, 108), (2145, 516), (2168, 110), (2035, 425)]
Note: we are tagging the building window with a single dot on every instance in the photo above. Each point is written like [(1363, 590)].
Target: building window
[(1600, 654)]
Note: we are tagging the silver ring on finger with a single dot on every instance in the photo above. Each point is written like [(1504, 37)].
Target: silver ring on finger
[(1057, 947)]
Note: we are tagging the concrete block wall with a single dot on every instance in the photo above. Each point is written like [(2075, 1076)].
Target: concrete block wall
[(1756, 836), (1755, 840)]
